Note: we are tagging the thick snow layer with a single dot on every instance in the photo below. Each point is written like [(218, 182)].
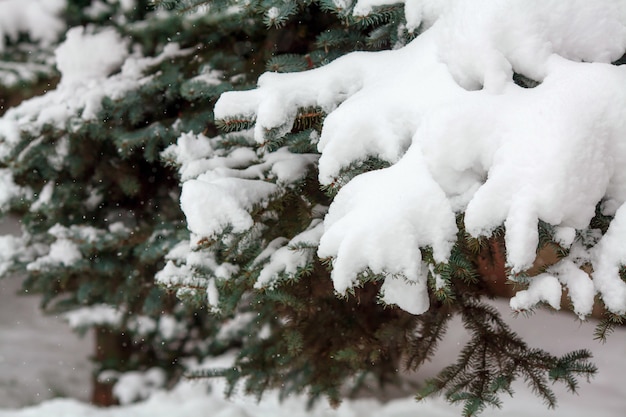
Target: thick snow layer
[(462, 136), (543, 288), (212, 205), (62, 252), (580, 287), (93, 315), (558, 333), (359, 234), (81, 56)]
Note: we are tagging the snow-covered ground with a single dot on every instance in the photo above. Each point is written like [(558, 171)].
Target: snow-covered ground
[(41, 359)]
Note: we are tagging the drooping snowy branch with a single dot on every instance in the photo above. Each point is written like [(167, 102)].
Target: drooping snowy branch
[(462, 137), (227, 196)]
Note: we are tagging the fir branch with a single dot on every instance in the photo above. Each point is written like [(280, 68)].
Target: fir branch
[(164, 4), (273, 144), (607, 326), (275, 133), (231, 141), (431, 328), (278, 14), (287, 63), (494, 357), (475, 245), (573, 363), (439, 283), (196, 89), (380, 15), (302, 142), (546, 234), (525, 82), (342, 10), (228, 373), (599, 220), (295, 341), (304, 247), (181, 6), (309, 118), (333, 39), (232, 124), (380, 37), (460, 266), (352, 170)]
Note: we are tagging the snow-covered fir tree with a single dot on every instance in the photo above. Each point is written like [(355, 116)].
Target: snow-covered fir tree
[(80, 166), (394, 161)]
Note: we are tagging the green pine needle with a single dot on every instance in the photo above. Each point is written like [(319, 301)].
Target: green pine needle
[(494, 357), (607, 326), (287, 63), (232, 124)]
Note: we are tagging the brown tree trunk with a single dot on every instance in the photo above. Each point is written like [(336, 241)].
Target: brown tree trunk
[(13, 97), (112, 350), (491, 265)]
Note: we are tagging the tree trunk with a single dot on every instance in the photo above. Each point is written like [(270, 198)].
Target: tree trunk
[(112, 352), (491, 265)]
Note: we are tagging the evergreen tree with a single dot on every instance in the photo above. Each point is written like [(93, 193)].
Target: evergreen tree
[(402, 230), (98, 210), (390, 163)]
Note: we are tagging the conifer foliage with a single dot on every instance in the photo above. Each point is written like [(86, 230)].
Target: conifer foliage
[(338, 209)]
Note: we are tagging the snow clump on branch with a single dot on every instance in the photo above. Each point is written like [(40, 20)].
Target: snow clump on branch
[(462, 137)]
